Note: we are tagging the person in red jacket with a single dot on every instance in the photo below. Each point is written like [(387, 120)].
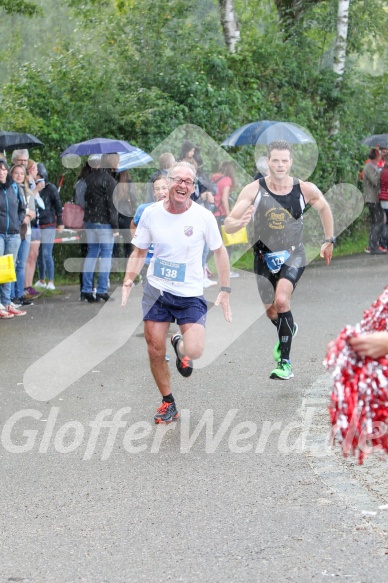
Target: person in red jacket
[(383, 198)]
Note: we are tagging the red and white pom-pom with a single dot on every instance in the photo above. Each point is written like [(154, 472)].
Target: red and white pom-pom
[(359, 400)]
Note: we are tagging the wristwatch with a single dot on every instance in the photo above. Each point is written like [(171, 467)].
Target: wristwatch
[(331, 240), (226, 289)]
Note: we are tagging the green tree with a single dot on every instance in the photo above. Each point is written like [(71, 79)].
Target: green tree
[(24, 7)]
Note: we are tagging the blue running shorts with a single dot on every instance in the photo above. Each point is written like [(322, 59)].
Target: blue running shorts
[(161, 306)]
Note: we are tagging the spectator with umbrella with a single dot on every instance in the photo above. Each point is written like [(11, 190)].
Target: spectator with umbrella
[(101, 224), (20, 157)]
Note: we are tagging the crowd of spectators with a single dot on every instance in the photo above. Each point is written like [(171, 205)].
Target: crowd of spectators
[(31, 215)]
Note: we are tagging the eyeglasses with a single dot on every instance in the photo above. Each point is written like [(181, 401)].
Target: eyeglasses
[(178, 180)]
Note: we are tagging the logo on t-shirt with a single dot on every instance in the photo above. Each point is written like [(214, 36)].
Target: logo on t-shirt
[(188, 231), (278, 217)]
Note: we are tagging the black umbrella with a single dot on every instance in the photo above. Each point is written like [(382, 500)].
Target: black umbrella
[(376, 140), (19, 141), (265, 132)]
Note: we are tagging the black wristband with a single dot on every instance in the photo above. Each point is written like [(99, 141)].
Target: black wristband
[(226, 289), (331, 240)]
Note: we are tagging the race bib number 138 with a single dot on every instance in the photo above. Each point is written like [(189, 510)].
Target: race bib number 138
[(169, 271)]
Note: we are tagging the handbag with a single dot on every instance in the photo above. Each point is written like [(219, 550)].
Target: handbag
[(73, 215), (240, 237), (7, 269)]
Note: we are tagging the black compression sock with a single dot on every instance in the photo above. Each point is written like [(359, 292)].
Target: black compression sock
[(285, 328), (168, 398), (275, 322)]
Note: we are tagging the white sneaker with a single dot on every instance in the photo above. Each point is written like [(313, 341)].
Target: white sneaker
[(208, 282), (50, 286), (40, 285), (234, 274)]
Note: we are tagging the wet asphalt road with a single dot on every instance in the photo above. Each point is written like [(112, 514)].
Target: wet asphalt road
[(223, 495)]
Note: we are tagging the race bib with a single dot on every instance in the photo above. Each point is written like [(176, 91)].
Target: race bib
[(169, 271), (275, 261)]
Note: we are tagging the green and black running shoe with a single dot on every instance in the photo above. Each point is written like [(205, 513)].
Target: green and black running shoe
[(283, 371), (276, 351)]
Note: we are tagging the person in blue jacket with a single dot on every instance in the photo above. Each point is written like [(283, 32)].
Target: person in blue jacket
[(12, 213)]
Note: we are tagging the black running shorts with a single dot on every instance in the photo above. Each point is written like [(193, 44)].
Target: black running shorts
[(266, 280)]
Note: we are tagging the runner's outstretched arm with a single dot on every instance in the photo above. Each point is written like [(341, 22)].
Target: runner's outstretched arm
[(221, 259), (314, 196), (134, 266), (243, 209)]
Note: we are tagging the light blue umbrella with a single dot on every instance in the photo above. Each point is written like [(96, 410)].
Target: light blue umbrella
[(133, 159)]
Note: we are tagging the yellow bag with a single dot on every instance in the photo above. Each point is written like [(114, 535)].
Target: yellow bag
[(238, 238), (7, 269)]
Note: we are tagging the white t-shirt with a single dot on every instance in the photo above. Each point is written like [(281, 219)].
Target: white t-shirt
[(179, 240)]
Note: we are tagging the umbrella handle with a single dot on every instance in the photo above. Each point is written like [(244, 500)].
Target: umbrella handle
[(62, 178)]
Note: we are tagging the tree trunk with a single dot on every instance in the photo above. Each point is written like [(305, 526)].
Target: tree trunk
[(342, 37), (340, 52), (229, 24)]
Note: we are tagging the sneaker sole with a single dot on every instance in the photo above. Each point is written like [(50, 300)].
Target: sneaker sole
[(163, 422), (278, 378)]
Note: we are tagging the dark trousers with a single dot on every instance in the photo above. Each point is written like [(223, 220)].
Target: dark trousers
[(124, 223), (377, 225)]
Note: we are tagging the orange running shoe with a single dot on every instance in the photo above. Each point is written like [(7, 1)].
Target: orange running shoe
[(166, 413)]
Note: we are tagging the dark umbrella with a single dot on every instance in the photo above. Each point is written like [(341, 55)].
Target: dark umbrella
[(376, 140), (16, 140), (265, 132), (98, 146)]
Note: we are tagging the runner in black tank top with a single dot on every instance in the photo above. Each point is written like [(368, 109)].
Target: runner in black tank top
[(276, 205)]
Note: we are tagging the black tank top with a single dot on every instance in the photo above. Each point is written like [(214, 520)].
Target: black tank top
[(278, 219)]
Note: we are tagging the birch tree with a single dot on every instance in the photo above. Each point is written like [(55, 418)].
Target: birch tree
[(229, 24), (341, 39)]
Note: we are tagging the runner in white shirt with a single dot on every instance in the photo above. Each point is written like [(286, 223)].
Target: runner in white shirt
[(179, 229)]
